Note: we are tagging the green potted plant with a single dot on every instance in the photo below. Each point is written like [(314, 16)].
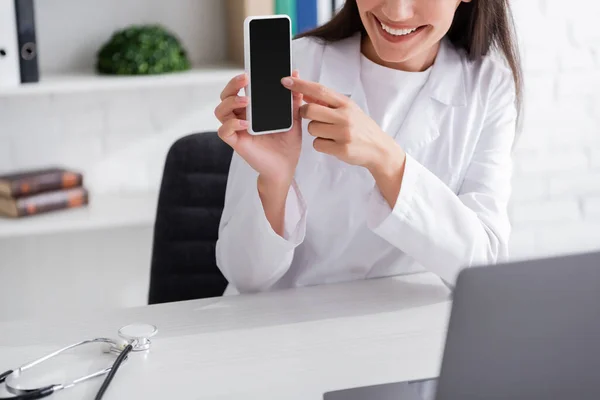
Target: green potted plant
[(142, 50)]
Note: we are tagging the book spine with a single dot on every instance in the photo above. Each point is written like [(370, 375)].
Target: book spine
[(26, 35), (288, 7), (237, 11), (306, 15), (46, 182), (259, 7), (52, 201)]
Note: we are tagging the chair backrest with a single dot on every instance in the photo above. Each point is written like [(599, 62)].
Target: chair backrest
[(190, 205)]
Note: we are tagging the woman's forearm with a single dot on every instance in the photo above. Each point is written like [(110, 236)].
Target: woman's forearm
[(273, 196)]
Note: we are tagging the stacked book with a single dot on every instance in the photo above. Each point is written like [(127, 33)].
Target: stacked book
[(32, 192)]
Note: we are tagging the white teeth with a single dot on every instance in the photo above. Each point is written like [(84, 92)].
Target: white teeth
[(396, 32)]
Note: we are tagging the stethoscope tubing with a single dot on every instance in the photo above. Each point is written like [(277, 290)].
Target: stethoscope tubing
[(31, 394), (113, 370), (34, 394), (134, 341), (4, 375)]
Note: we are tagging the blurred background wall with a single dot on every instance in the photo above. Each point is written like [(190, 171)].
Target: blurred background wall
[(556, 201), (118, 135)]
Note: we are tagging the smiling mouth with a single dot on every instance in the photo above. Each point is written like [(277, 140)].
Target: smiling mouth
[(398, 32)]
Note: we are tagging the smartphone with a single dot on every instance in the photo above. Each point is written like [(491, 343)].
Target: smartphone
[(268, 59)]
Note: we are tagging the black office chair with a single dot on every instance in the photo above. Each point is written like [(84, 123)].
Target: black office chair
[(189, 210)]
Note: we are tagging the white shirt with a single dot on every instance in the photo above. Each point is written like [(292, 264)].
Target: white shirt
[(389, 93), (452, 209)]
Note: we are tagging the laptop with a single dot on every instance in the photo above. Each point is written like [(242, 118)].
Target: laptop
[(520, 331)]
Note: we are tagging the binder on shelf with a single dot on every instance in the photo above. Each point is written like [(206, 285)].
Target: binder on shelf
[(325, 11), (237, 11), (26, 37), (9, 50), (288, 7), (307, 15)]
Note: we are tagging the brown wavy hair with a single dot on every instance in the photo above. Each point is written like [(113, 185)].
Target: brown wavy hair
[(479, 27)]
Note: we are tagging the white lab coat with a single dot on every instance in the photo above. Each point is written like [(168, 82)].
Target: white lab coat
[(452, 209)]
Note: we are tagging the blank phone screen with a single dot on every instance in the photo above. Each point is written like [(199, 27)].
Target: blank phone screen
[(269, 63)]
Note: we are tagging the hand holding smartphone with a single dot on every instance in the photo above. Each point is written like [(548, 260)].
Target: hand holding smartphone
[(264, 127), (268, 59)]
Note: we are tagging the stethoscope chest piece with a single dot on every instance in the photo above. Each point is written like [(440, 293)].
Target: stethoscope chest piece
[(138, 335)]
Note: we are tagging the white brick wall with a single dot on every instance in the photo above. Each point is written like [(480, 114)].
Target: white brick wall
[(542, 212), (555, 206), (5, 153), (596, 159), (117, 139), (591, 207), (573, 185)]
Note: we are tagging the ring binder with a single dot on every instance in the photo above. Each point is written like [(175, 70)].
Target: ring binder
[(26, 35)]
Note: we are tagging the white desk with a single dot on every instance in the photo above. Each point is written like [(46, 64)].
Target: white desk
[(287, 345)]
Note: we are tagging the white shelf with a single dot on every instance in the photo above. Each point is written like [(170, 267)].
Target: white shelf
[(89, 81), (104, 212)]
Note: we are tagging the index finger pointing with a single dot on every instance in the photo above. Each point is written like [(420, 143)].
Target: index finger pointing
[(234, 86), (315, 91)]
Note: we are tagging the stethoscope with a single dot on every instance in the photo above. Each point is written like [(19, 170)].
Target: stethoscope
[(134, 337)]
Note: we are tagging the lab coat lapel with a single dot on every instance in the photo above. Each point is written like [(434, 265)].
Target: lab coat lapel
[(443, 91)]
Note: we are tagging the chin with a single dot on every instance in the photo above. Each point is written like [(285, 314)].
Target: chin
[(394, 48), (395, 54), (399, 53)]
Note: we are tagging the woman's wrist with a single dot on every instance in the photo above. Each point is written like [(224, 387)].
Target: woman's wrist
[(389, 163), (273, 185), (388, 172)]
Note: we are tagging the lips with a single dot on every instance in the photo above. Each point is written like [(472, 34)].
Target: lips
[(396, 35)]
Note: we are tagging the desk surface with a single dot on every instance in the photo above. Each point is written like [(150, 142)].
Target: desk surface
[(294, 344)]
